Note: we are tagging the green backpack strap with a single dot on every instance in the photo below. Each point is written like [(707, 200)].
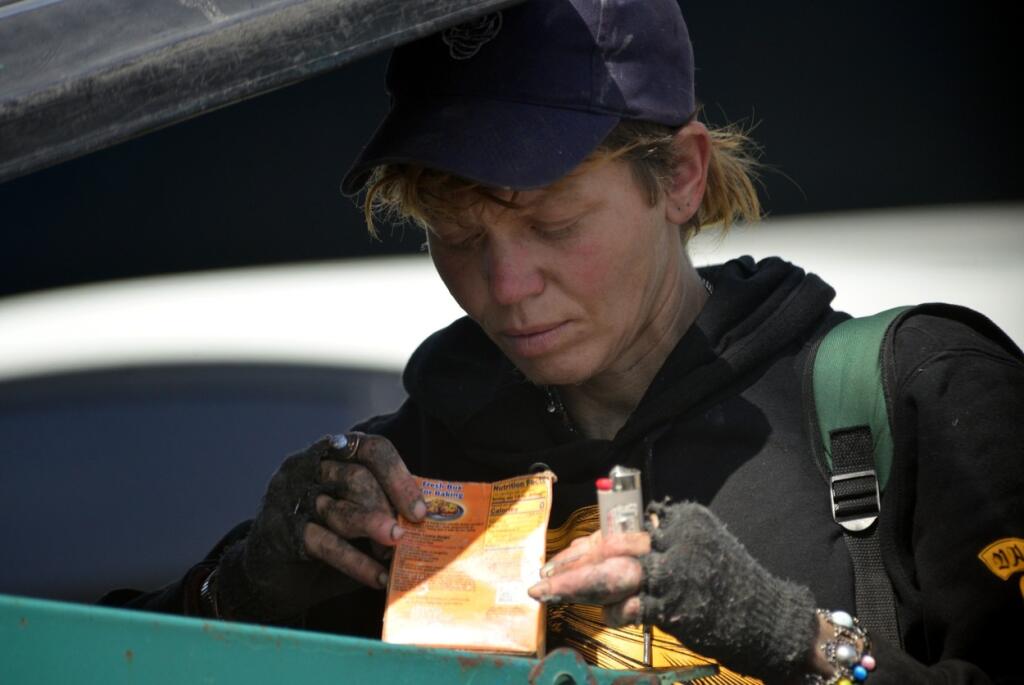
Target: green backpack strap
[(849, 411), (849, 387)]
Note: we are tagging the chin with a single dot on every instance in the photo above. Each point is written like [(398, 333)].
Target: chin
[(540, 373)]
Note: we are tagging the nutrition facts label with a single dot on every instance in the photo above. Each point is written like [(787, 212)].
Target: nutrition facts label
[(459, 578)]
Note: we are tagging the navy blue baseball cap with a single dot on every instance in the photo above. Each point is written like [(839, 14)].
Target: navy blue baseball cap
[(518, 98)]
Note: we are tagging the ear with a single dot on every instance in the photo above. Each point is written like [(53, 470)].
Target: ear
[(693, 149)]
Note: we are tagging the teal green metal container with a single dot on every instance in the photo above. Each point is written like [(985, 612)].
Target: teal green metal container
[(43, 642)]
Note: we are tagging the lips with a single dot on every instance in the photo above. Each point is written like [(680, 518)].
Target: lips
[(533, 341)]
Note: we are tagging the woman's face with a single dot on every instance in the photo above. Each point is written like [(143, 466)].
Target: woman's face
[(578, 281)]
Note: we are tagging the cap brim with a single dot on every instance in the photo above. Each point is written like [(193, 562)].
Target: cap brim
[(497, 143)]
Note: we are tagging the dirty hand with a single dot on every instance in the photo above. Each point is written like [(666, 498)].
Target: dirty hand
[(300, 551), (703, 587), (598, 570), (692, 578)]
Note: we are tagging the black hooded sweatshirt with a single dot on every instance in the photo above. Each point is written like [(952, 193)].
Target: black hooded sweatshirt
[(723, 424)]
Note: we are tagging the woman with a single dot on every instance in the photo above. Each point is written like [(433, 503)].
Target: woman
[(553, 155)]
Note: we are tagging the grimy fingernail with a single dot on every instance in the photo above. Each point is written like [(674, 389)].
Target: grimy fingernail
[(383, 579), (548, 569), (537, 590), (397, 531), (419, 510)]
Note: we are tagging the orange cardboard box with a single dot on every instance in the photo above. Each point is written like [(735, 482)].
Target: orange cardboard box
[(459, 578)]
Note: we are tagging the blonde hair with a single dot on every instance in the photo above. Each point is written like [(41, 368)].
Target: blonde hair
[(409, 192)]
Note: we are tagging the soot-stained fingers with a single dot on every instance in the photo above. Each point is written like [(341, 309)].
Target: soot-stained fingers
[(594, 549), (348, 519), (378, 455), (608, 582), (624, 613), (324, 545)]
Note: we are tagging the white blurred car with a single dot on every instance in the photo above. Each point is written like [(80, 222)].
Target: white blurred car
[(371, 313)]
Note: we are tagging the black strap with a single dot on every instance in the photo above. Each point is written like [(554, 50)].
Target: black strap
[(855, 506)]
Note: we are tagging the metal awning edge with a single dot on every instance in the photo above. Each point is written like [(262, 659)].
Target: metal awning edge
[(208, 70)]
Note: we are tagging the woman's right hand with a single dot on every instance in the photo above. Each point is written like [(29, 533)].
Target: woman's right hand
[(302, 547)]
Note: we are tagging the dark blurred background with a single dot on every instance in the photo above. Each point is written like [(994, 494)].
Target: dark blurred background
[(856, 105)]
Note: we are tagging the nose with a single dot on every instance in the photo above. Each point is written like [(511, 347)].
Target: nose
[(512, 270)]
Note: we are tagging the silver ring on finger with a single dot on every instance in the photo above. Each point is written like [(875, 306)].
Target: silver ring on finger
[(347, 444), (301, 500)]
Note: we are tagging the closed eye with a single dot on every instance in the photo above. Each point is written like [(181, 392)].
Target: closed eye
[(558, 230)]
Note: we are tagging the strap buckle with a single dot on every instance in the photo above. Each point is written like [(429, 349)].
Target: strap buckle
[(856, 499)]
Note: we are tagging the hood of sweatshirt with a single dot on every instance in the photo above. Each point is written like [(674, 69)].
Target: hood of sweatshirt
[(460, 378)]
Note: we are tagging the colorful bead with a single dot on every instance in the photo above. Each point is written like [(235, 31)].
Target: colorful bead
[(841, 618), (851, 663), (846, 654)]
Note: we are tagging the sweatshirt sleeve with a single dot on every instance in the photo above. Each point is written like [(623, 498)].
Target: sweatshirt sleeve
[(180, 596), (953, 535)]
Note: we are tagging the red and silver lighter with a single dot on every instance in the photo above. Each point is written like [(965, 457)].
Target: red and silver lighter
[(620, 501)]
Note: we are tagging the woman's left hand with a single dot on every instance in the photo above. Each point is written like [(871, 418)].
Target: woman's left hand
[(598, 570)]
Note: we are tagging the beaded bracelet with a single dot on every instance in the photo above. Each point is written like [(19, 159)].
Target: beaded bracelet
[(852, 664)]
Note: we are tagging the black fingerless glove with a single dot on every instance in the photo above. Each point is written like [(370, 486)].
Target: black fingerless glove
[(267, 577), (703, 587)]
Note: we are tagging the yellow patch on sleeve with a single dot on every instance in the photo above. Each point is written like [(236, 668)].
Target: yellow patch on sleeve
[(1004, 557)]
